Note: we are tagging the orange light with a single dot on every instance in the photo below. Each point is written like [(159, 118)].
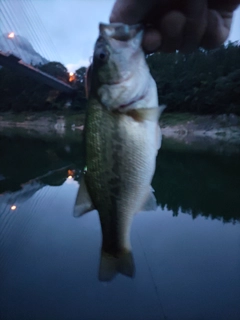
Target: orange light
[(71, 173), (13, 207), (11, 35), (72, 77)]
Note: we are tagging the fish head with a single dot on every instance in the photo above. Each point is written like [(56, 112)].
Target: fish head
[(116, 52), (119, 76)]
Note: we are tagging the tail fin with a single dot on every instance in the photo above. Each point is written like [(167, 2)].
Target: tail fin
[(110, 265)]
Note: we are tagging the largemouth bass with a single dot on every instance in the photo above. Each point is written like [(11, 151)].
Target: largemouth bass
[(122, 138)]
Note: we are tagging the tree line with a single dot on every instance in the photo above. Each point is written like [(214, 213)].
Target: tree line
[(204, 82), (22, 93)]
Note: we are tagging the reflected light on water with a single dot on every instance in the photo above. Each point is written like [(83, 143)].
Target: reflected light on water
[(71, 173), (70, 180), (13, 207)]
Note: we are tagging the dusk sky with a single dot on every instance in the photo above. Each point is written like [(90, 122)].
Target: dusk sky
[(72, 25)]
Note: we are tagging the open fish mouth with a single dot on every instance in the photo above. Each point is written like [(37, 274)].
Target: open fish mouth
[(120, 31)]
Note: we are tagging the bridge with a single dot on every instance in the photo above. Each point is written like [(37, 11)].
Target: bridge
[(15, 63), (25, 43)]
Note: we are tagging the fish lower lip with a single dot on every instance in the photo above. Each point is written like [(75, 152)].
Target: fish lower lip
[(113, 82), (117, 81), (124, 106)]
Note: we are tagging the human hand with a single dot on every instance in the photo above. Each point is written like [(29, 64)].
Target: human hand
[(176, 24)]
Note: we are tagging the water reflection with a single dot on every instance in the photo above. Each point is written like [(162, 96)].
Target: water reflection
[(185, 268), (49, 264), (24, 158), (196, 183)]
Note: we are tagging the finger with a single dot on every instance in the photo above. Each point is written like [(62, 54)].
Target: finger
[(181, 24), (152, 40), (218, 29), (171, 27), (131, 11), (195, 12)]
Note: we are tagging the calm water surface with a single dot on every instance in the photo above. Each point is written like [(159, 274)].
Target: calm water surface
[(187, 253)]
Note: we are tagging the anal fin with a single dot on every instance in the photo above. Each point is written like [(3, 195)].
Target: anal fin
[(150, 204), (83, 203)]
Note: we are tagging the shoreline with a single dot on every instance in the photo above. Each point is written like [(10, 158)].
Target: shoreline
[(186, 128)]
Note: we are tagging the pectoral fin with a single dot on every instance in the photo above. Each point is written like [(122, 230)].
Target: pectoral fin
[(83, 203), (110, 265), (150, 114), (158, 137)]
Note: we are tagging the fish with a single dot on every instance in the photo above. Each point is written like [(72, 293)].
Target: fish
[(122, 139)]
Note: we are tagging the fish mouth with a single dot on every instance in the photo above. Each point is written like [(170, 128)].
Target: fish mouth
[(120, 31), (124, 107)]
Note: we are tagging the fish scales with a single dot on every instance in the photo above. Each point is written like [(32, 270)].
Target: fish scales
[(122, 138), (121, 162)]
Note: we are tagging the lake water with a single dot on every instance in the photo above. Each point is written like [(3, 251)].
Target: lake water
[(187, 253)]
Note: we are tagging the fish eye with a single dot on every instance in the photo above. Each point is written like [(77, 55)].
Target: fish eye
[(102, 56)]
